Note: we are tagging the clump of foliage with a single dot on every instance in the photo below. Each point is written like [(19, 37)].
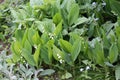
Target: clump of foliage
[(79, 38)]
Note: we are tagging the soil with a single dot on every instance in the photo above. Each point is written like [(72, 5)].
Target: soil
[(4, 46)]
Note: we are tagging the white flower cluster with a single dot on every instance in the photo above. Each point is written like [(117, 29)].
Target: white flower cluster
[(104, 4), (51, 35), (87, 68), (35, 46), (94, 4), (60, 59)]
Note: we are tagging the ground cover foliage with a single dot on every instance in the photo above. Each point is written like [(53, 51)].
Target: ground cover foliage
[(60, 39)]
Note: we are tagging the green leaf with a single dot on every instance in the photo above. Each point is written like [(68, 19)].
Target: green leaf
[(68, 58), (113, 53), (47, 72), (118, 43), (1, 36), (45, 38), (15, 57), (58, 29), (73, 37), (64, 14), (68, 4), (80, 21), (111, 36), (56, 52), (27, 46), (91, 30), (28, 57), (57, 18), (73, 14), (65, 45), (19, 34), (117, 72), (36, 39), (44, 54), (117, 30), (49, 26), (106, 43), (114, 4), (67, 75), (23, 13), (31, 33), (50, 51), (90, 54), (16, 48), (24, 37), (37, 55), (99, 53), (76, 49), (15, 14)]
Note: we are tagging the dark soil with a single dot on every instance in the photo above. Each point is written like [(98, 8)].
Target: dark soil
[(4, 46)]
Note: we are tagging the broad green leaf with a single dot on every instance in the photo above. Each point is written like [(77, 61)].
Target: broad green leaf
[(113, 53), (49, 26), (46, 25), (68, 58), (73, 37), (64, 14), (37, 55), (90, 54), (58, 29), (65, 45), (19, 35), (27, 46), (80, 21), (16, 48), (57, 53), (114, 4), (15, 58), (111, 36), (109, 64), (44, 54), (117, 30), (31, 33), (91, 30), (45, 37), (15, 14), (28, 57), (106, 43), (47, 72), (36, 39), (1, 36), (117, 72), (68, 4), (50, 51), (24, 37), (67, 75), (23, 13), (99, 53), (108, 26), (57, 18), (76, 49), (118, 44), (40, 26), (73, 14)]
